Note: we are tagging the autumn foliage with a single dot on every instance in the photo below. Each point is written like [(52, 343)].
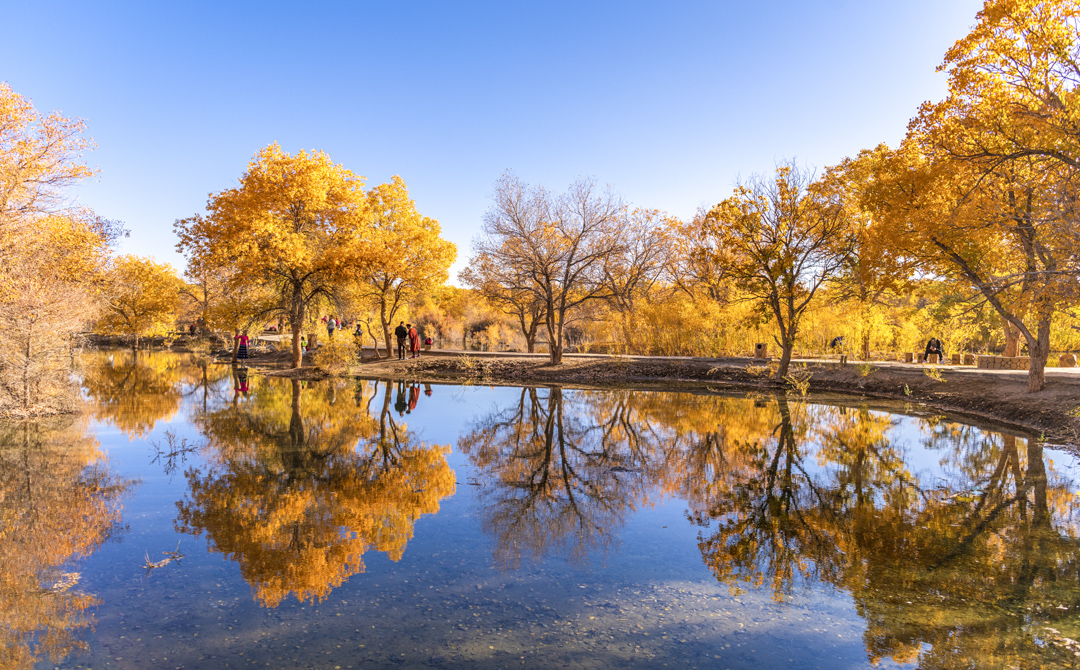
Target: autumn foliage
[(52, 255)]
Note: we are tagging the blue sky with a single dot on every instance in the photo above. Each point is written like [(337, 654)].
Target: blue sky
[(669, 103)]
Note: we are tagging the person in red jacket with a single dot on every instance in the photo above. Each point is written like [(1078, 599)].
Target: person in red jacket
[(414, 341)]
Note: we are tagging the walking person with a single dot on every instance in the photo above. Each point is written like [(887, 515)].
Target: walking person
[(331, 326), (414, 341)]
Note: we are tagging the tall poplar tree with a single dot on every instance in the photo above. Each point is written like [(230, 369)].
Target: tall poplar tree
[(297, 222)]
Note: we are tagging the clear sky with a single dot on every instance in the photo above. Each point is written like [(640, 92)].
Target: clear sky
[(668, 102)]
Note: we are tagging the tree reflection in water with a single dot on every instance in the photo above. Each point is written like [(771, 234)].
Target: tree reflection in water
[(301, 485), (551, 480), (134, 391), (59, 501), (975, 558)]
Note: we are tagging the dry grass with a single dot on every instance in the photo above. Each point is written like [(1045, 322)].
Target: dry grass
[(799, 381)]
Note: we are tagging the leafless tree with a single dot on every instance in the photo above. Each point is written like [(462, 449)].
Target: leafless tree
[(552, 247), (632, 271)]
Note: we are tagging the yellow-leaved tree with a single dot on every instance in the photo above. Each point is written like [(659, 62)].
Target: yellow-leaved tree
[(51, 255), (141, 298), (298, 223), (411, 257), (876, 270), (782, 240), (999, 160)]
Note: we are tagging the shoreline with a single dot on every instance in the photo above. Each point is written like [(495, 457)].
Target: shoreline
[(988, 396), (998, 397)]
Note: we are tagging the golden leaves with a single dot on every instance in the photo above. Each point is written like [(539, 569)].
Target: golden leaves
[(305, 484), (39, 157), (51, 254), (141, 298), (58, 502)]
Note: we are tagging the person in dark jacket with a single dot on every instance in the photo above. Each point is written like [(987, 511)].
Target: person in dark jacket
[(401, 333), (933, 346)]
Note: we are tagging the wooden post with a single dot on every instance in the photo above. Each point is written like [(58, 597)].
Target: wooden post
[(909, 357), (761, 350)]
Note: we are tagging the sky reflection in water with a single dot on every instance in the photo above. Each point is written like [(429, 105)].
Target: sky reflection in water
[(349, 523)]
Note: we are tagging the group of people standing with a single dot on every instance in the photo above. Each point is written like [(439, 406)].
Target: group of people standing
[(332, 324), (407, 331)]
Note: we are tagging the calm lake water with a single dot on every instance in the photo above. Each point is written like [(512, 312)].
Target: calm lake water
[(202, 518)]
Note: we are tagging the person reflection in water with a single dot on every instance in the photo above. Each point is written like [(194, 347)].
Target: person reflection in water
[(240, 383), (427, 389), (401, 404), (414, 396)]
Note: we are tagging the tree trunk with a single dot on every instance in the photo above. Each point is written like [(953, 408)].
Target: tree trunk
[(375, 341), (1012, 340), (785, 359), (235, 346), (528, 331), (386, 340), (555, 345), (1039, 352), (297, 355), (296, 315)]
